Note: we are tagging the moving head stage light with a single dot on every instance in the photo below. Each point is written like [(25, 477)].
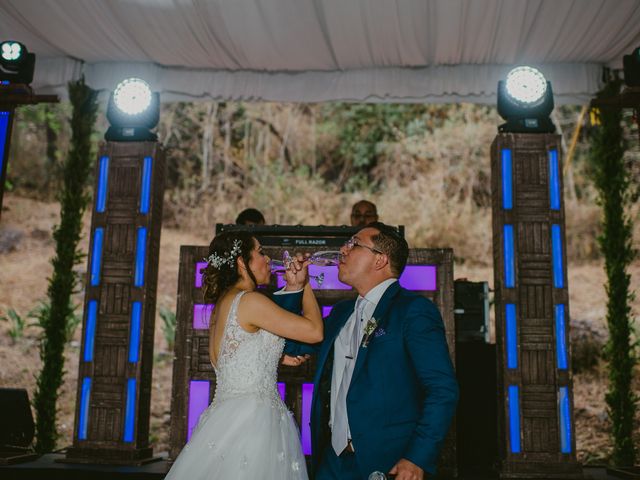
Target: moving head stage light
[(133, 110), (525, 101), (16, 63)]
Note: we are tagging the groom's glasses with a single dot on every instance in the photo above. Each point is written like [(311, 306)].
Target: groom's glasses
[(353, 242)]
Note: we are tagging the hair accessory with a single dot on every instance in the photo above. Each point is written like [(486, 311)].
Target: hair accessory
[(228, 258)]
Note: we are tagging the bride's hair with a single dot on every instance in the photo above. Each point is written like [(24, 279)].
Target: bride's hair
[(221, 271)]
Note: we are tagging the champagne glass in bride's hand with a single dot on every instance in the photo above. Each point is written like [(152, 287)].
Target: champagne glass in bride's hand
[(324, 258), (279, 267)]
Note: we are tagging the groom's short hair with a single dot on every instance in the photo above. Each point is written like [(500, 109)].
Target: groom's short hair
[(390, 242)]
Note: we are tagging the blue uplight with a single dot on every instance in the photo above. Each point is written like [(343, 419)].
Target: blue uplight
[(103, 175), (96, 256), (83, 420), (134, 334), (561, 339), (4, 131), (509, 257), (507, 190), (565, 421), (90, 332), (130, 410), (556, 252), (514, 419), (141, 253), (145, 191), (512, 336), (554, 180)]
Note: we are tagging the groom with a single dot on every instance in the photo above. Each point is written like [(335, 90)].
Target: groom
[(384, 389)]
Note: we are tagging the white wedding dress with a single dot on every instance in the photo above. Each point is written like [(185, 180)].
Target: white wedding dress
[(247, 432)]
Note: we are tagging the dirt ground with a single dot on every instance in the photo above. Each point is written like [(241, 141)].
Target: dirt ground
[(26, 247)]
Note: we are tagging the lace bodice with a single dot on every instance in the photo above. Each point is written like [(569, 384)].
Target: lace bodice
[(247, 362)]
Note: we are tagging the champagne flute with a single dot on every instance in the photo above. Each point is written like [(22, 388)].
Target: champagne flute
[(324, 258), (279, 267)]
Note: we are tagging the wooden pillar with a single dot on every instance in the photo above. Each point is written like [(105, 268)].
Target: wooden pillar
[(535, 403), (7, 112), (116, 356), (12, 96)]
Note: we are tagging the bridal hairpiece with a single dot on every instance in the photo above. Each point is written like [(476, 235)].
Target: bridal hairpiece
[(228, 258)]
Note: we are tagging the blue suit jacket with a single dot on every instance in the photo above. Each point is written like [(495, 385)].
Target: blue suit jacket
[(403, 392)]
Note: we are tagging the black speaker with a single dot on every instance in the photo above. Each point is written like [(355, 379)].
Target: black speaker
[(477, 414), (16, 426), (471, 311)]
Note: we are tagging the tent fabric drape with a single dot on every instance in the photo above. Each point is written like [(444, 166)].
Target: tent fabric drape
[(319, 50)]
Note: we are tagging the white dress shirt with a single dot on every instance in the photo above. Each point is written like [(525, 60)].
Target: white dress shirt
[(343, 344)]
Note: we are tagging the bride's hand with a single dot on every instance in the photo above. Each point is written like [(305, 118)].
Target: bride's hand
[(290, 361), (297, 273)]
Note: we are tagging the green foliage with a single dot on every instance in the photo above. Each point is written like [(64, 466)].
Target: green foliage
[(611, 178), (73, 199), (168, 326), (16, 324), (42, 314), (362, 130)]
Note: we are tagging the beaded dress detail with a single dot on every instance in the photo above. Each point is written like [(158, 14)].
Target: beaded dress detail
[(247, 432)]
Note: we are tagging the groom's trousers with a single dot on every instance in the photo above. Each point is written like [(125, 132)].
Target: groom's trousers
[(333, 467)]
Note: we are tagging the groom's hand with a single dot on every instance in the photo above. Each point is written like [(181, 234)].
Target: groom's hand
[(406, 470)]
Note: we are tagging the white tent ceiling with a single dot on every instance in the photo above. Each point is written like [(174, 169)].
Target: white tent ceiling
[(318, 50)]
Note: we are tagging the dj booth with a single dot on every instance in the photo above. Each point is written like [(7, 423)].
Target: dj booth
[(429, 272)]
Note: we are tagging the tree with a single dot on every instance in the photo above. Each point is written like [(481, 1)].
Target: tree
[(611, 178), (73, 201)]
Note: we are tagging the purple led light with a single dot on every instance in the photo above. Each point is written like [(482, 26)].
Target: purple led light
[(282, 390), (307, 396), (419, 277), (326, 310), (330, 281), (199, 266), (201, 314), (198, 402)]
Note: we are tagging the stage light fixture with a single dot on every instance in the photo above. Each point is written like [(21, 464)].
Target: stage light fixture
[(525, 101), (631, 65), (16, 63), (133, 110)]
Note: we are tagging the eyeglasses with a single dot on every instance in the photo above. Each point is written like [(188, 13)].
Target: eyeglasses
[(353, 242)]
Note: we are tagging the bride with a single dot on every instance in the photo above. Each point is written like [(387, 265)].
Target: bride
[(247, 431)]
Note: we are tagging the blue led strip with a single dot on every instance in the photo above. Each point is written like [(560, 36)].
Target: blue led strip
[(96, 256), (507, 190), (134, 334), (145, 191), (554, 180), (556, 252), (4, 131), (141, 253), (561, 340), (565, 421), (509, 260), (512, 336), (103, 176), (514, 419), (83, 420), (130, 410), (90, 330)]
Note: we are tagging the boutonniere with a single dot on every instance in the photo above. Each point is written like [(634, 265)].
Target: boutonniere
[(369, 328)]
